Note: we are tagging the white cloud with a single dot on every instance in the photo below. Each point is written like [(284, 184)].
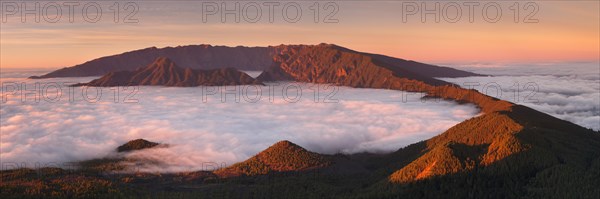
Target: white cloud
[(570, 91), (199, 133)]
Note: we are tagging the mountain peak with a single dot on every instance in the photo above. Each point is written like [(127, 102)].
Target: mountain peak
[(137, 144), (164, 72), (162, 63), (285, 144), (283, 156)]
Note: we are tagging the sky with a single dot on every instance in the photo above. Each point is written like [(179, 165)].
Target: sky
[(557, 31)]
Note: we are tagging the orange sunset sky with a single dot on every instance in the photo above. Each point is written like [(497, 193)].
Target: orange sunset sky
[(567, 31)]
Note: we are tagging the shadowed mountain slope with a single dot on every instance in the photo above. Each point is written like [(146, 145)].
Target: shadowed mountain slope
[(164, 72), (327, 63), (216, 57), (520, 153), (194, 56), (532, 139)]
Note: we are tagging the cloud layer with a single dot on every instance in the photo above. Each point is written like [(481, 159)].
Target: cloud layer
[(204, 132), (201, 131), (570, 91)]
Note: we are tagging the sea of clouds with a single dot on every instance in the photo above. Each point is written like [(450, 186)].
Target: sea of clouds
[(205, 130), (569, 91)]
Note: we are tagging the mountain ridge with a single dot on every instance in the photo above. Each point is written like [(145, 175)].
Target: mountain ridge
[(211, 57), (164, 72)]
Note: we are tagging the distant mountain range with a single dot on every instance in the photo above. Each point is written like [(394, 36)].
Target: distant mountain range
[(206, 57), (195, 57)]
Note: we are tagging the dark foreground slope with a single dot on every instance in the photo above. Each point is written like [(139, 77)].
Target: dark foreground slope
[(217, 57), (164, 72)]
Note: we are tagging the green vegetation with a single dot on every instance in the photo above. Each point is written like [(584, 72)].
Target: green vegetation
[(282, 156), (55, 183)]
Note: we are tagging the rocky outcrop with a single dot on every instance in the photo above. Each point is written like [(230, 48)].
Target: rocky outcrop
[(326, 63), (164, 72), (135, 145)]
